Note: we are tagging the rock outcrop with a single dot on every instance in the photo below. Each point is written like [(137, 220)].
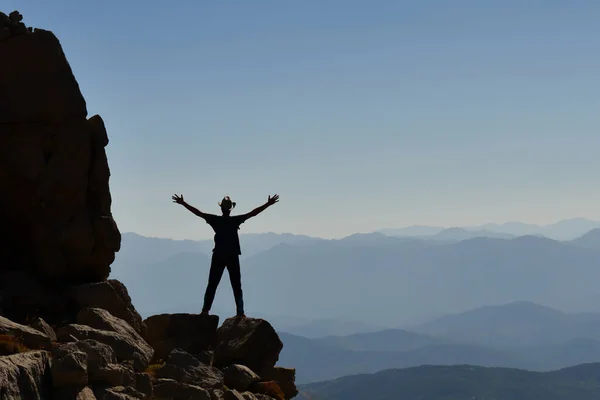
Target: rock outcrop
[(66, 331), (57, 228), (25, 376), (192, 333), (248, 341)]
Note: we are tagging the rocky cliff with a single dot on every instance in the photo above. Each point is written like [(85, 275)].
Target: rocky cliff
[(66, 331)]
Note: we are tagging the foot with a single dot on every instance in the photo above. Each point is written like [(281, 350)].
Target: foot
[(204, 312), (240, 315)]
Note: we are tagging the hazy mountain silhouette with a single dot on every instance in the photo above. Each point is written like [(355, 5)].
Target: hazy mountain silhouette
[(461, 382), (590, 240), (416, 230), (324, 279), (384, 340), (567, 229), (326, 327), (517, 335), (464, 234), (515, 324), (315, 361), (138, 249)]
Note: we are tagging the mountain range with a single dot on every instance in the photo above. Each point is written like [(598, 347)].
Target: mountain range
[(567, 229), (517, 335), (461, 382), (372, 302), (316, 279)]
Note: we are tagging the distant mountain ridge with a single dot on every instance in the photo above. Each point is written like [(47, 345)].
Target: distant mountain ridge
[(137, 248), (316, 360), (450, 275), (567, 229), (516, 335), (590, 240), (521, 323), (461, 382)]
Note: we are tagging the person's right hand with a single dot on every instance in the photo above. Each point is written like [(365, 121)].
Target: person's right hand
[(273, 200), (178, 199)]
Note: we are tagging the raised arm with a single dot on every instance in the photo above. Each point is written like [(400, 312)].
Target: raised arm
[(194, 210), (258, 210)]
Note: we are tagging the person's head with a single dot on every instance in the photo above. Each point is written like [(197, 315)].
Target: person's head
[(226, 205)]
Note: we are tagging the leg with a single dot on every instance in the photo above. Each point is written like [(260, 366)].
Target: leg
[(217, 266), (235, 276)]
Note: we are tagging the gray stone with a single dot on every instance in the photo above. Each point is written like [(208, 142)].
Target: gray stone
[(239, 377), (43, 327), (110, 295), (25, 375), (143, 383), (233, 395), (118, 393), (114, 375), (185, 368), (32, 338), (171, 389), (98, 354), (124, 347), (70, 370), (74, 393)]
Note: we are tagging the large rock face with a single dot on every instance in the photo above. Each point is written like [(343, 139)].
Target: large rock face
[(55, 205)]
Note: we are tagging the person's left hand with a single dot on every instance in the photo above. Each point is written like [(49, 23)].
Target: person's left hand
[(273, 200)]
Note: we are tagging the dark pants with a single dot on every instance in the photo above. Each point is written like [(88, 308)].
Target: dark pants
[(217, 266)]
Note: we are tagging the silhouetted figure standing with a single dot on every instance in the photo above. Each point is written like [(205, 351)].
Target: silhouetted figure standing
[(227, 248)]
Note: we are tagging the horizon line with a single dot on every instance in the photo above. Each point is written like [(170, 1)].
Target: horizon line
[(381, 230)]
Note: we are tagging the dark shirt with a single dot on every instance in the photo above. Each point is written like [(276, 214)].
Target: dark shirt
[(227, 240)]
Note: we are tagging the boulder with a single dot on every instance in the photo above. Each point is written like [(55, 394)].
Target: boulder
[(70, 370), (111, 296), (101, 319), (171, 389), (124, 347), (193, 333), (98, 354), (25, 376), (239, 377), (74, 393), (30, 337), (183, 367), (118, 393), (114, 375), (43, 327), (101, 362), (143, 383), (247, 341), (216, 394), (268, 388), (206, 357), (285, 378), (233, 395)]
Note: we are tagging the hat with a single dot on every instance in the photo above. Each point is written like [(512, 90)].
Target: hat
[(227, 203)]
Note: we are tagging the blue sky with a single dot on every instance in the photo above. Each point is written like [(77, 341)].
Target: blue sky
[(360, 114)]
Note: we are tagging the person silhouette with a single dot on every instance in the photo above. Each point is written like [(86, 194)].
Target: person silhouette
[(227, 248)]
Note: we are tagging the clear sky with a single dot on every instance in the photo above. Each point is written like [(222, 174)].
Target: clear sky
[(360, 114)]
